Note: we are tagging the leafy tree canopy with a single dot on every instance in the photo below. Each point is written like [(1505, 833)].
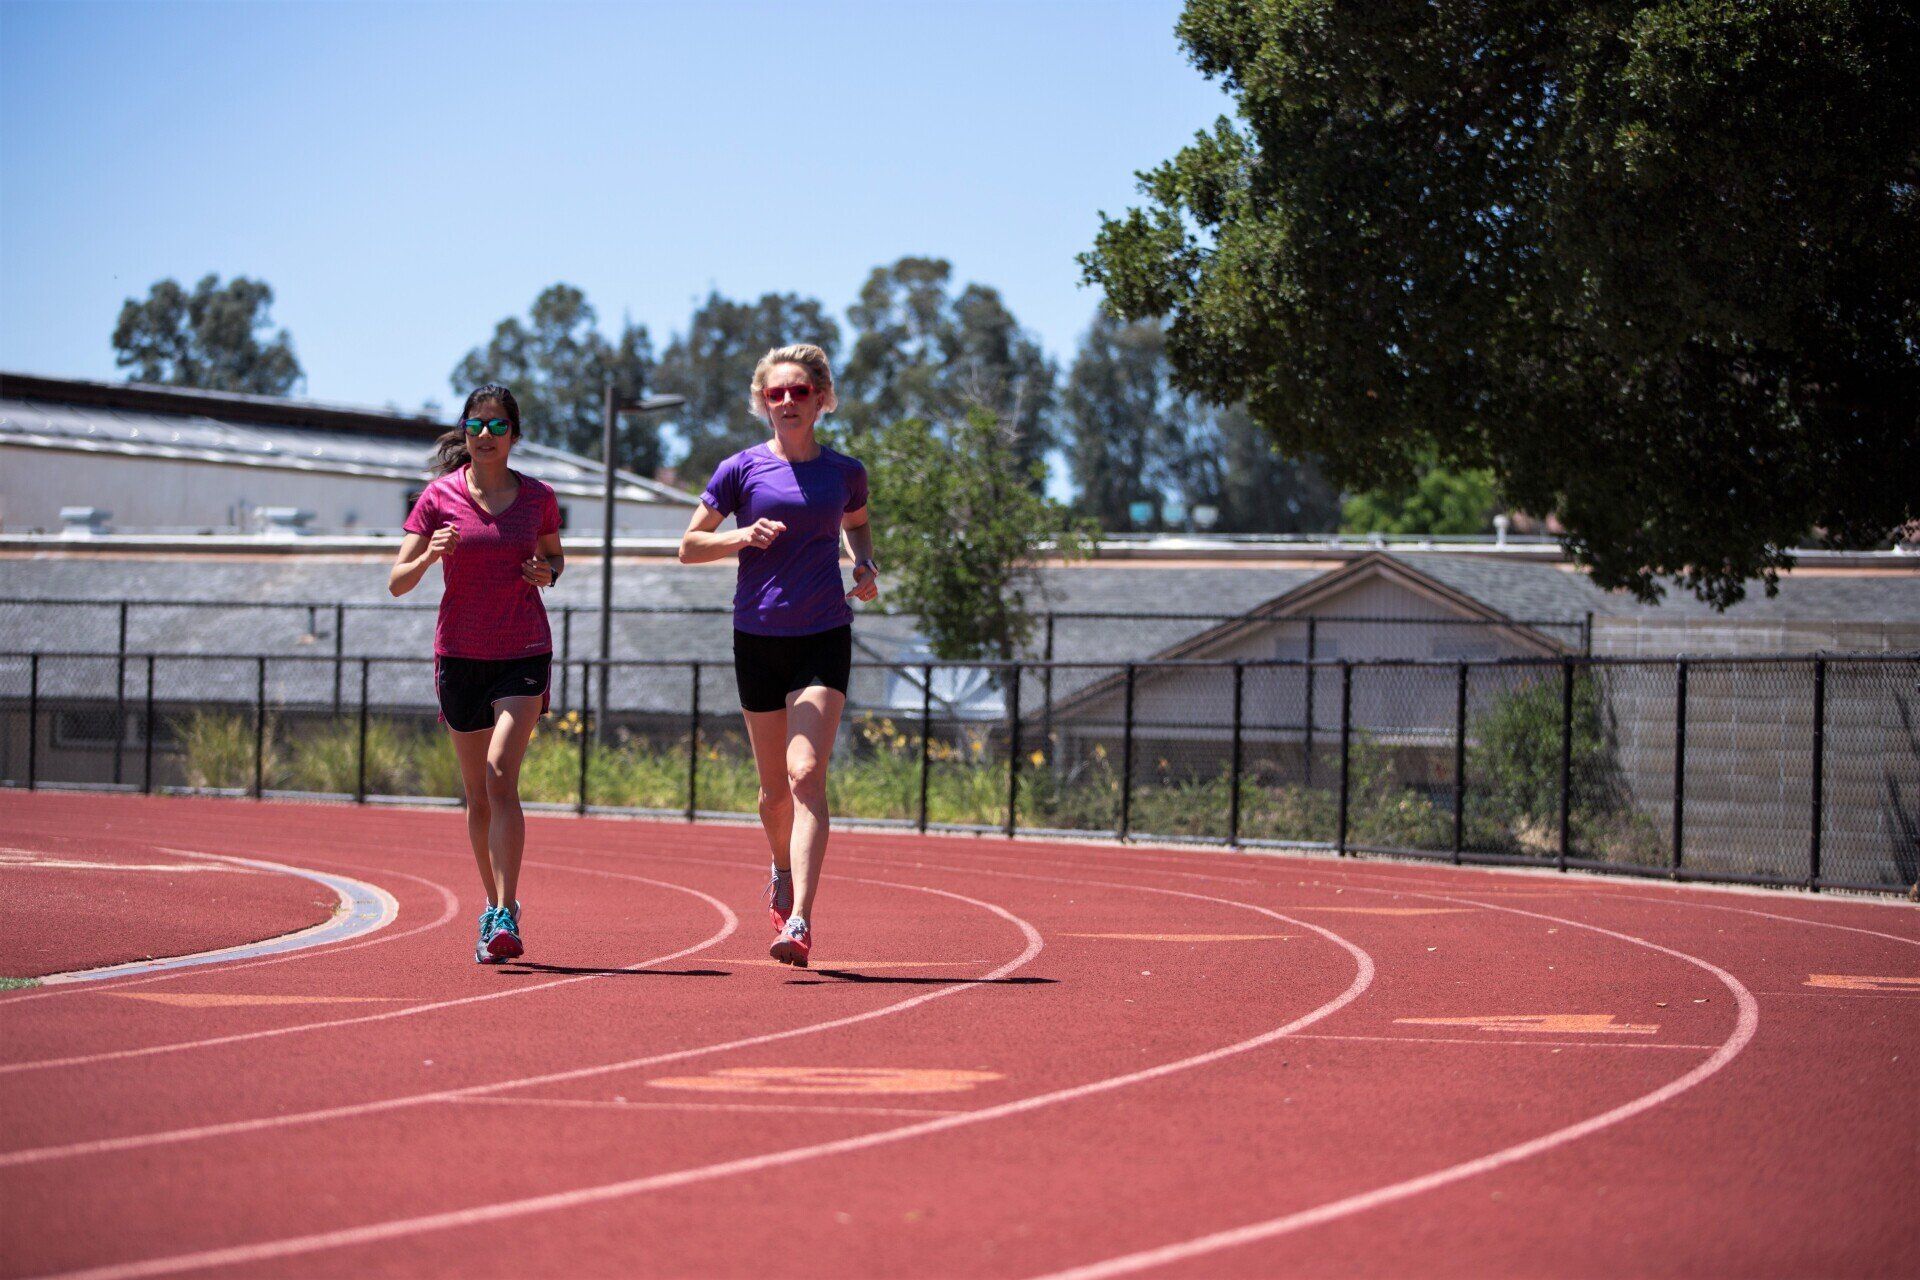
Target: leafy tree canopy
[(558, 364), (216, 338), (961, 529), (712, 366), (1656, 265), (923, 352), (1438, 500)]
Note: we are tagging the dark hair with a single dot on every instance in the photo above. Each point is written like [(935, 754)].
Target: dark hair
[(450, 450)]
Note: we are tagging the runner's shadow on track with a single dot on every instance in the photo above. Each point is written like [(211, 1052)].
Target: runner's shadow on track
[(529, 969), (849, 975)]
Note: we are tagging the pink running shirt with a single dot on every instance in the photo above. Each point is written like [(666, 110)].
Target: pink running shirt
[(487, 610)]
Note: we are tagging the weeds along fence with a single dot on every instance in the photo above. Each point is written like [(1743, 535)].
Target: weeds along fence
[(1794, 770)]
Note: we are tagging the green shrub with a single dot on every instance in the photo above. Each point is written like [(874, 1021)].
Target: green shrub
[(219, 748), (328, 760)]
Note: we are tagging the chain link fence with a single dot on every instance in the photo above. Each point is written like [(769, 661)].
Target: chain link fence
[(1783, 771)]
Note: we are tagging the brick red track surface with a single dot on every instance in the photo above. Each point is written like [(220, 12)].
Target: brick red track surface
[(980, 1077)]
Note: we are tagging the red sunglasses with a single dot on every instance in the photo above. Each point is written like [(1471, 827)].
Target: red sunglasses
[(780, 395)]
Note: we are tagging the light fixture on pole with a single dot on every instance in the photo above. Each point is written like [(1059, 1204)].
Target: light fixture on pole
[(615, 407)]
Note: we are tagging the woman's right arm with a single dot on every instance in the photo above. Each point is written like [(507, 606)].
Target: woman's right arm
[(417, 551), (702, 542)]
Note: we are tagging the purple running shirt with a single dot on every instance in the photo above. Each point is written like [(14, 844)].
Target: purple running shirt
[(793, 587)]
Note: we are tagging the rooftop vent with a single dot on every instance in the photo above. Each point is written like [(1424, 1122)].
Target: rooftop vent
[(85, 522), (283, 522)]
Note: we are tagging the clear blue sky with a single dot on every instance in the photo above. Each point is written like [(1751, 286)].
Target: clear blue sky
[(405, 175)]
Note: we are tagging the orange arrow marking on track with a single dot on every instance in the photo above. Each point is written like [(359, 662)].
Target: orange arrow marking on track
[(828, 1080), (188, 1001), (1183, 937), (1582, 1023), (1388, 911), (1861, 982)]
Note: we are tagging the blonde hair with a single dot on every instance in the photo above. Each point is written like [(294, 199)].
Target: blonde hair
[(808, 357)]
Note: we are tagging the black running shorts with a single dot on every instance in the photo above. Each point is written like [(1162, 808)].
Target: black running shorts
[(468, 687), (768, 668)]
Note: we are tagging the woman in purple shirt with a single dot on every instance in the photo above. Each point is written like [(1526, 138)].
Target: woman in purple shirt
[(791, 499)]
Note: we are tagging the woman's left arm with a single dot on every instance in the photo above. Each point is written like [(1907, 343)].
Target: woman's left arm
[(543, 568), (866, 574)]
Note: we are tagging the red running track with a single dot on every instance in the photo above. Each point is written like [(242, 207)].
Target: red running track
[(1011, 1059)]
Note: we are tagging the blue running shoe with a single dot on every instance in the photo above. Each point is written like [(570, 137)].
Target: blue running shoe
[(480, 953), (503, 943)]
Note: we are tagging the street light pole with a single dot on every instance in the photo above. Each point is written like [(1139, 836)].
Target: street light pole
[(614, 408)]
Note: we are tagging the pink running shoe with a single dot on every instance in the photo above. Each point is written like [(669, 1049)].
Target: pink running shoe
[(780, 900), (794, 943)]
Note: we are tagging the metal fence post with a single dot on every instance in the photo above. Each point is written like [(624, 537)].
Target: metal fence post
[(1313, 645), (1679, 762), (339, 651), (586, 719), (693, 748), (926, 735), (120, 696), (146, 772), (33, 721), (1126, 759), (260, 728), (360, 787), (1013, 749), (566, 653), (1566, 759), (1046, 688), (1233, 770), (1819, 771), (1459, 761), (1346, 754)]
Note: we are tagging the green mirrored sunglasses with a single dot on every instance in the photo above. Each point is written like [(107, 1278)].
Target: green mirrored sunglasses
[(498, 426)]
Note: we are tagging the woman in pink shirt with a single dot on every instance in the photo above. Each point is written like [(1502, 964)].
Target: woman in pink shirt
[(496, 534)]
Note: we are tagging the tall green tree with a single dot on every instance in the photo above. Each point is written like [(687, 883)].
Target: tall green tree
[(1123, 419), (921, 351), (712, 365), (1133, 437), (1261, 490), (1656, 265), (557, 364), (217, 338), (962, 530)]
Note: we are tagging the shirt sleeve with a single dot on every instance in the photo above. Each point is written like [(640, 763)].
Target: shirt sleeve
[(723, 491), (857, 487), (425, 516), (550, 514)]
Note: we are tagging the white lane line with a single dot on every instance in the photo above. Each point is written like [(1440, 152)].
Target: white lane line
[(363, 908), (1532, 1044), (449, 904), (114, 1055), (1746, 1024), (788, 1111), (241, 1255), (101, 1146)]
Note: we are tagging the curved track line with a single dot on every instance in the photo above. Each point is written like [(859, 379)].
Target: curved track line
[(35, 1155), (1608, 888), (111, 1055), (376, 1232), (364, 908), (449, 905), (1745, 1026)]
